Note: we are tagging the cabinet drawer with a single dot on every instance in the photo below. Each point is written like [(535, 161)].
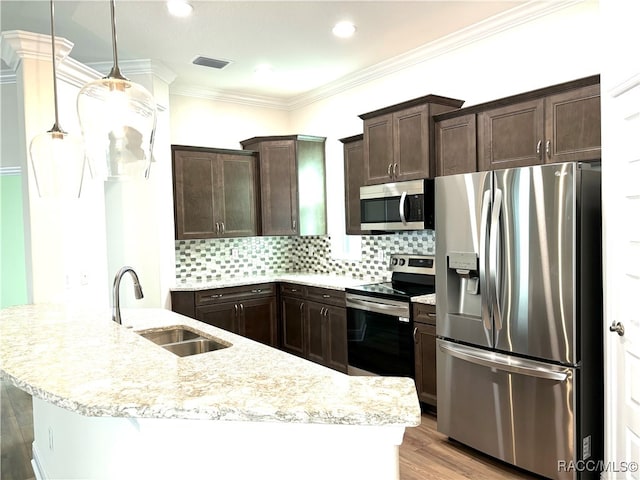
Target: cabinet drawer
[(326, 295), (293, 290), (423, 313), (231, 294)]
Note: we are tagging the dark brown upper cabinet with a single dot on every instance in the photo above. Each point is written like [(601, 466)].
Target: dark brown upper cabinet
[(572, 125), (456, 145), (557, 124), (215, 192), (398, 141), (292, 184), (353, 180), (511, 136)]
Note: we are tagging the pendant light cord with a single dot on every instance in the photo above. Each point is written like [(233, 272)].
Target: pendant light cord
[(56, 125), (115, 70)]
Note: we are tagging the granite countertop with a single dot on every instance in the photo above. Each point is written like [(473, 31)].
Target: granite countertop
[(336, 282), (80, 360), (429, 299)]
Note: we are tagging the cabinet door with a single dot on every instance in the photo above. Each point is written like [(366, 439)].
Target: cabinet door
[(425, 350), (572, 125), (292, 318), (411, 143), (279, 188), (336, 338), (456, 145), (511, 136), (259, 321), (353, 180), (238, 195), (315, 323), (378, 150), (223, 315), (194, 187)]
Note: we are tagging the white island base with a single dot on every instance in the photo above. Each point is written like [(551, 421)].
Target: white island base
[(72, 446)]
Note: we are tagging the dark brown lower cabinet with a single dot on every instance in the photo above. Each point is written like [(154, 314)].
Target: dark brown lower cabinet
[(311, 322), (250, 311), (292, 325), (313, 330), (252, 318), (326, 327), (424, 317)]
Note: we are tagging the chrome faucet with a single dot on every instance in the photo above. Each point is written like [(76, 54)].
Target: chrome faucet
[(115, 316)]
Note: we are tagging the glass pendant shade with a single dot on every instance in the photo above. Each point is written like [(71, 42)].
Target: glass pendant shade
[(118, 120), (58, 161), (57, 157)]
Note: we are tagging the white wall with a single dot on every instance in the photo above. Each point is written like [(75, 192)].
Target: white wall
[(206, 122)]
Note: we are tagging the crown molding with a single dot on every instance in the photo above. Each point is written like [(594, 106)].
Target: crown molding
[(512, 18), (18, 45), (7, 77), (241, 99), (10, 170)]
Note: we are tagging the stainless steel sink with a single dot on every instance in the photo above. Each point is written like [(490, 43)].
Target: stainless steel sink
[(174, 335), (194, 347), (183, 341)]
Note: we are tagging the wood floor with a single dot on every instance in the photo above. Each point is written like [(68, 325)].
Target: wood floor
[(16, 433), (424, 455)]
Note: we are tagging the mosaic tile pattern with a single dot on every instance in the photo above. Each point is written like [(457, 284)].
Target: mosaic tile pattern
[(210, 259)]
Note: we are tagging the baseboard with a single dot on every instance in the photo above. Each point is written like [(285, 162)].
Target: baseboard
[(35, 463)]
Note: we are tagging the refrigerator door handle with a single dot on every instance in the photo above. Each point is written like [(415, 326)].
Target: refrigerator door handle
[(403, 199), (494, 255), (504, 362), (484, 271)]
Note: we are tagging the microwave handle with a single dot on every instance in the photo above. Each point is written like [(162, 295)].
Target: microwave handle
[(403, 199)]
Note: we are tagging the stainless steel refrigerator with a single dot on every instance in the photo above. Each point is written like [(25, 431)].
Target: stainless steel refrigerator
[(519, 316)]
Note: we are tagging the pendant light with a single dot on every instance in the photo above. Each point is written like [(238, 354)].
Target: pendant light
[(118, 120), (57, 157)]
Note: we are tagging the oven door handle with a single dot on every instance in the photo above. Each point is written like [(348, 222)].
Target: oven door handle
[(378, 307)]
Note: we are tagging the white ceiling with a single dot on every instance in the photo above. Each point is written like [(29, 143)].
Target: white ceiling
[(293, 37)]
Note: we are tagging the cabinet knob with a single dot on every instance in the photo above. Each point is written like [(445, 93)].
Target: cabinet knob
[(256, 290), (538, 149), (222, 228), (324, 295), (217, 295), (547, 148), (395, 170)]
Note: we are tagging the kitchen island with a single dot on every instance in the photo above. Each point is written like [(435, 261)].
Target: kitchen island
[(109, 403)]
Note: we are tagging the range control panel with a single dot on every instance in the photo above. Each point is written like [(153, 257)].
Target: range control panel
[(410, 263)]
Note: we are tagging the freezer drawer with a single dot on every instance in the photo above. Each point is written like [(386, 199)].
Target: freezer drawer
[(520, 411)]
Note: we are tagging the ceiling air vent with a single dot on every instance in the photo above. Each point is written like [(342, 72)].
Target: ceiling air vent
[(211, 62)]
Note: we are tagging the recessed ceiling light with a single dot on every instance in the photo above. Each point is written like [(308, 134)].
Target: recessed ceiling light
[(263, 70), (344, 29), (179, 8)]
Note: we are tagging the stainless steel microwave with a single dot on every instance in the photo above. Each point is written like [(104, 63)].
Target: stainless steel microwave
[(398, 206)]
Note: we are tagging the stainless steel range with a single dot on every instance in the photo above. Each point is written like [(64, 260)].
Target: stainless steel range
[(379, 322)]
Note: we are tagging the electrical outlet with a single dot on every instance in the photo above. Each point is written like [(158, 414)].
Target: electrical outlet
[(380, 255), (84, 278), (234, 253), (311, 250)]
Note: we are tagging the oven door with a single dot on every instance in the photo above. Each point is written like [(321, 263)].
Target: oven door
[(379, 336)]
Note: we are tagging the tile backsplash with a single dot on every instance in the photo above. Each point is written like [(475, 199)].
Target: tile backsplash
[(208, 259)]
